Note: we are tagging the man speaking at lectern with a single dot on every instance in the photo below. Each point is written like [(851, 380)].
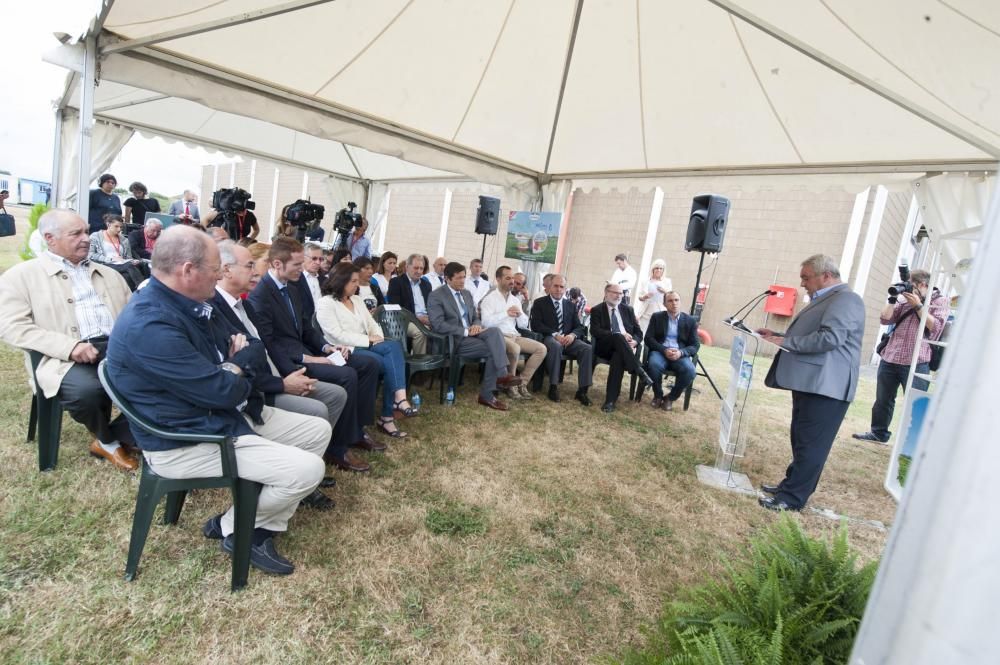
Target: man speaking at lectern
[(819, 362)]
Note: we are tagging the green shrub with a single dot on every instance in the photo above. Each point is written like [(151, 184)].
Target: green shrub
[(792, 600), (37, 211)]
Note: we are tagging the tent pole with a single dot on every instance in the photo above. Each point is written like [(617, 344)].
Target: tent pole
[(56, 159), (87, 84)]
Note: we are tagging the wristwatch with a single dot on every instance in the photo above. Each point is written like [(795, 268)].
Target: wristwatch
[(232, 368)]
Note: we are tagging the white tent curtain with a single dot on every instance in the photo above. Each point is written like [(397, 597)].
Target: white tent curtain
[(378, 214), (107, 141), (953, 209)]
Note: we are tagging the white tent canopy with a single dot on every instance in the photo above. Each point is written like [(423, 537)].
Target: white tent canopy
[(517, 93)]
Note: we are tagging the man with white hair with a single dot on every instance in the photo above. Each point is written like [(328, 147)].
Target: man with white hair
[(64, 306), (175, 359), (143, 240)]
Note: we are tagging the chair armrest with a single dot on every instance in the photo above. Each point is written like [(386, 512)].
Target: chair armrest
[(530, 334)]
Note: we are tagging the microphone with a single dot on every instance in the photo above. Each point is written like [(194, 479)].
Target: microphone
[(747, 308)]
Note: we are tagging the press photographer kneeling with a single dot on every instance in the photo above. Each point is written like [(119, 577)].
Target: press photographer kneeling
[(903, 312)]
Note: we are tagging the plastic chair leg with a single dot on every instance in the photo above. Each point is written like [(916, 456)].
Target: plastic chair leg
[(32, 419), (49, 431), (175, 504), (245, 503), (145, 506)]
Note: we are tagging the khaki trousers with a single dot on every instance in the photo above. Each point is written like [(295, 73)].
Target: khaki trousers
[(516, 345), (418, 341), (283, 455)]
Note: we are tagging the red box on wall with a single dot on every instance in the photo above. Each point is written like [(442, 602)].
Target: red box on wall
[(782, 304)]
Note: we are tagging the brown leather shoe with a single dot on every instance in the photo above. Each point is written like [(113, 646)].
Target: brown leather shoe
[(350, 463), (369, 444), (493, 403), (657, 401), (509, 381), (668, 404), (120, 458)]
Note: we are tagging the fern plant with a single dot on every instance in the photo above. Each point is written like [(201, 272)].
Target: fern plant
[(37, 211), (793, 600)]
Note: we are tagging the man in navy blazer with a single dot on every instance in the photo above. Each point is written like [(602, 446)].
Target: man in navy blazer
[(819, 361), (672, 340), (561, 336), (284, 321), (616, 335), (183, 368), (411, 292)]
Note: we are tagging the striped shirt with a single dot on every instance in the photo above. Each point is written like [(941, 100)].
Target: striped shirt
[(92, 316)]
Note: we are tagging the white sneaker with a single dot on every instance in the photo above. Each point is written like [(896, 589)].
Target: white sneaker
[(524, 393)]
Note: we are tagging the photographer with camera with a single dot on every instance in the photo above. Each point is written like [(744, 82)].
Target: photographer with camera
[(903, 311), (232, 211), (358, 243)]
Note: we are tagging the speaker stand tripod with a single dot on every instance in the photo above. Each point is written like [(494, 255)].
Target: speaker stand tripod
[(697, 318)]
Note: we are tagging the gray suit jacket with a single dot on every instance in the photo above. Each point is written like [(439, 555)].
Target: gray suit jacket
[(822, 347), (446, 318)]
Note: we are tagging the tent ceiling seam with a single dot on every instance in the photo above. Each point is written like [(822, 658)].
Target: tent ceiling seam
[(562, 85), (208, 119), (365, 48), (167, 18), (125, 105), (486, 68), (899, 69), (833, 168), (642, 105), (350, 157), (850, 74), (763, 89), (970, 19)]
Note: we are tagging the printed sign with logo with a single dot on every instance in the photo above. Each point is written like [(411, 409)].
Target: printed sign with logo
[(533, 236)]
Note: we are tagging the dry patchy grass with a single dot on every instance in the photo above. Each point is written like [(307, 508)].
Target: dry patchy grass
[(549, 534)]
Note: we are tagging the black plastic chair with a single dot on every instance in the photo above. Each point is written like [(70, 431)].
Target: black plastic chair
[(667, 373), (152, 488), (45, 419), (394, 323)]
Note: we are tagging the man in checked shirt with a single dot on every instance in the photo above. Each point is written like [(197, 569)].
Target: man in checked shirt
[(894, 366), (64, 306)]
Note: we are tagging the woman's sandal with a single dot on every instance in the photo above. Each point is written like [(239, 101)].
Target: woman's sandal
[(408, 412), (396, 434)]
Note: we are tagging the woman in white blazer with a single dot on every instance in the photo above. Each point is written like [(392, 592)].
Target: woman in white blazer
[(346, 321), (650, 295)]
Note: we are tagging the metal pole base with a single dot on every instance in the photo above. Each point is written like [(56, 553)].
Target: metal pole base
[(730, 481)]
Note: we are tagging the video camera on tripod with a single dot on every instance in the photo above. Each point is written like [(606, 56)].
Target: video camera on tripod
[(228, 203), (345, 222)]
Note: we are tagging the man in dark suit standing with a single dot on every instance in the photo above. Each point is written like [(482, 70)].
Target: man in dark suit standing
[(672, 340), (556, 319), (283, 319), (411, 292), (616, 337), (819, 362), (452, 312)]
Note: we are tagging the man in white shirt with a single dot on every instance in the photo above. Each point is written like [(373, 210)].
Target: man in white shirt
[(310, 269), (624, 276), (436, 278), (410, 291), (186, 208), (502, 309), (477, 283)]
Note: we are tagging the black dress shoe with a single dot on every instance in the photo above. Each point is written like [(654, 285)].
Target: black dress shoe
[(263, 557), (774, 504), (608, 407), (328, 481), (213, 528), (582, 398), (869, 436), (769, 489), (645, 378), (318, 501), (554, 394)]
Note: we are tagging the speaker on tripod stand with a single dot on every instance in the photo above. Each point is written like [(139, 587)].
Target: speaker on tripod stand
[(487, 218)]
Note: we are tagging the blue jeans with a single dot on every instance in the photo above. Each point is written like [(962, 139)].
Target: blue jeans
[(892, 377), (390, 354), (682, 368)]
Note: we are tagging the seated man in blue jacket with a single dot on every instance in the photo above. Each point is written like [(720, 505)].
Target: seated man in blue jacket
[(179, 364), (672, 339)]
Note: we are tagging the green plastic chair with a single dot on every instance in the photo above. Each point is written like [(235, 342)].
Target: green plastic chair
[(394, 323), (152, 488), (45, 419)]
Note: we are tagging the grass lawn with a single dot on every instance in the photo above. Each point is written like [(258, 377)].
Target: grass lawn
[(548, 534)]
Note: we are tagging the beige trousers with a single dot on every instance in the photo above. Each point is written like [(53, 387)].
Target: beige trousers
[(284, 455), (418, 340), (516, 345)]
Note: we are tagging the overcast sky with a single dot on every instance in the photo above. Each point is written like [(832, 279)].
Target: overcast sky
[(27, 121)]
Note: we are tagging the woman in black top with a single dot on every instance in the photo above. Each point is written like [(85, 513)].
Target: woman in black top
[(103, 201), (139, 204)]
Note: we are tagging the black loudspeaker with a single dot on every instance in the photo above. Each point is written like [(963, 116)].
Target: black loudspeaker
[(707, 227), (488, 216)]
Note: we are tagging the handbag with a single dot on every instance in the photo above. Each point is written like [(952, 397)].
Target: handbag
[(7, 227)]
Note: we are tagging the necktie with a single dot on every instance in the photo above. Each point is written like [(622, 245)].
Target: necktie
[(440, 279), (559, 315), (291, 308), (615, 327), (476, 282), (187, 209), (461, 308), (247, 323)]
